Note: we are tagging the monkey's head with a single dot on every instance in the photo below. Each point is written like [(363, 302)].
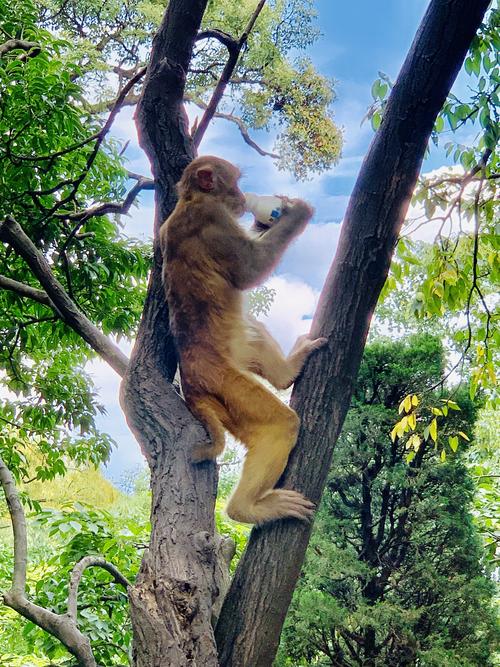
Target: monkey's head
[(214, 177)]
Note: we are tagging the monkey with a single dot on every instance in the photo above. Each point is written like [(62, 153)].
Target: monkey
[(208, 262)]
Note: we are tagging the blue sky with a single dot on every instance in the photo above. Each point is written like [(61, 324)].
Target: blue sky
[(358, 39)]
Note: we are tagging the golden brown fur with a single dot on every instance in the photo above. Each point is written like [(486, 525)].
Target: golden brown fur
[(208, 261)]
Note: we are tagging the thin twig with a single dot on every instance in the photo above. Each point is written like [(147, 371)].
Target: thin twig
[(103, 209), (232, 119)]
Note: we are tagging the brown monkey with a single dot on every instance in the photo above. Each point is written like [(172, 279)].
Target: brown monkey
[(208, 261)]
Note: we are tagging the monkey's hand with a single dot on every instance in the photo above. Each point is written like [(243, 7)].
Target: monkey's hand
[(297, 212)]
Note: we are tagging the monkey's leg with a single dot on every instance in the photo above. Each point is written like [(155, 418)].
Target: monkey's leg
[(267, 359), (268, 429), (210, 412)]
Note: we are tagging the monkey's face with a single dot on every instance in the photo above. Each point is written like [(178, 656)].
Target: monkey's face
[(217, 178)]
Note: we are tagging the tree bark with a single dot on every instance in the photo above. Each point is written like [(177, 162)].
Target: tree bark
[(171, 601), (255, 607)]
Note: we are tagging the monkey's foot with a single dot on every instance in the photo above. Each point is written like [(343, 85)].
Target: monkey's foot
[(283, 503), (275, 504), (205, 452)]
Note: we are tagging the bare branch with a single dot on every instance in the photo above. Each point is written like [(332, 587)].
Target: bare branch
[(25, 290), (234, 54), (468, 177), (12, 233), (126, 73), (19, 528), (108, 207), (98, 210), (231, 44), (149, 183), (244, 133), (32, 48), (76, 576)]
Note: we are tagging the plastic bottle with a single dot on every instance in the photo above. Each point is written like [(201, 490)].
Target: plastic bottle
[(267, 209)]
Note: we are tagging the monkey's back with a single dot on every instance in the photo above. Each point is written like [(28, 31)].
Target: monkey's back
[(206, 310)]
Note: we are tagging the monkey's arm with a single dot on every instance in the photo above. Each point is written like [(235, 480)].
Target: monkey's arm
[(257, 257)]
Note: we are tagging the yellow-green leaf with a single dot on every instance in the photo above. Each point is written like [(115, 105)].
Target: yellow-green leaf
[(464, 436), (453, 442), (414, 442), (451, 404), (410, 456), (433, 428), (443, 456)]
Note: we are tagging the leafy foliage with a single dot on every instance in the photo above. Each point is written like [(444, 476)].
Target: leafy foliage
[(456, 278), (49, 405)]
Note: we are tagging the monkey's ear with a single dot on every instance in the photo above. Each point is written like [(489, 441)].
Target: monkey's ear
[(205, 178)]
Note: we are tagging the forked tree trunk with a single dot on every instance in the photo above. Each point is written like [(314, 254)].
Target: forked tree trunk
[(172, 599)]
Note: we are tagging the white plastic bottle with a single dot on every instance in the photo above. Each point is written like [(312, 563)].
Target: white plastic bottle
[(267, 209)]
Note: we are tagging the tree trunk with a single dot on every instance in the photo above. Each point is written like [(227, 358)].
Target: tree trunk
[(255, 607), (171, 601)]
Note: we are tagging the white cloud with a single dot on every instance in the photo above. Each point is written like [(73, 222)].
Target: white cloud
[(291, 310), (311, 255)]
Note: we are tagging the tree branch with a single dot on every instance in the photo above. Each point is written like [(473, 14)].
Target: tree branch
[(98, 210), (25, 290), (19, 529), (32, 48), (12, 233), (76, 576), (149, 183), (234, 54), (225, 38)]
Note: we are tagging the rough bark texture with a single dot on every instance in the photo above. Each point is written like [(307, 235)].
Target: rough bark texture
[(171, 602), (255, 607)]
